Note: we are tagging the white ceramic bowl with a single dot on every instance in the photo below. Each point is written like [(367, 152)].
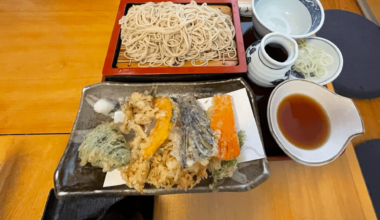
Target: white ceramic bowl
[(295, 18), (344, 117)]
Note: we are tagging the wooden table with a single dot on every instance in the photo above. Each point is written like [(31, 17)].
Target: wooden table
[(50, 49)]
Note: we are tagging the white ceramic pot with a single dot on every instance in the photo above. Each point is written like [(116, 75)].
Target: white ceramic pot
[(265, 71), (295, 18)]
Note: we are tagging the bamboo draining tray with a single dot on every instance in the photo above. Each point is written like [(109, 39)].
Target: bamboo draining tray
[(117, 64), (123, 62)]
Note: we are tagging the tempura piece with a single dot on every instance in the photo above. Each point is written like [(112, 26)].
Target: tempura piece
[(143, 109), (135, 173), (197, 142), (166, 170), (138, 109), (104, 147), (221, 169), (162, 129), (223, 120)]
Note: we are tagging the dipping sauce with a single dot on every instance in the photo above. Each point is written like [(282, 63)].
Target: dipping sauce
[(303, 122), (276, 52)]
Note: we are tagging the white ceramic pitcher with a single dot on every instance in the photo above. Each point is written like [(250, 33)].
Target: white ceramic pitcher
[(267, 72)]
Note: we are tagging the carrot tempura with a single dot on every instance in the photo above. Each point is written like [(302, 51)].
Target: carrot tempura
[(223, 119)]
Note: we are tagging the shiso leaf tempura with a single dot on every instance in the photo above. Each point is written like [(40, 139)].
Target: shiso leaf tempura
[(104, 147)]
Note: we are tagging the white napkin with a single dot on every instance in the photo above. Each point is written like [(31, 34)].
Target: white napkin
[(113, 178), (244, 119)]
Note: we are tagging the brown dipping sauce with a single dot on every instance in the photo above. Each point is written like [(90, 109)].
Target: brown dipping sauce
[(303, 122), (276, 52)]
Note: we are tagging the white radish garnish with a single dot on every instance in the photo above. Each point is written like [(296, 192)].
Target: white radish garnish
[(104, 106), (119, 117)]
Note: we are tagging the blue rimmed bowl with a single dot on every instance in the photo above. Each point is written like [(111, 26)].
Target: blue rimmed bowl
[(295, 18)]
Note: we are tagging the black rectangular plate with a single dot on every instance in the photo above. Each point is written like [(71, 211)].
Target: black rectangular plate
[(71, 179)]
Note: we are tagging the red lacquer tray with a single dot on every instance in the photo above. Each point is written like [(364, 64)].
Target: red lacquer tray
[(110, 66)]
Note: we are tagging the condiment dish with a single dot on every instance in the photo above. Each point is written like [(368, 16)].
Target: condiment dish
[(333, 70), (345, 121)]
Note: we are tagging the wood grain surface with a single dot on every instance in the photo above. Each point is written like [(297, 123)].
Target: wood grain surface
[(335, 191), (46, 58), (27, 164), (375, 8), (370, 112), (52, 48)]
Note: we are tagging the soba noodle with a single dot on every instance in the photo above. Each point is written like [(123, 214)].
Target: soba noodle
[(170, 34)]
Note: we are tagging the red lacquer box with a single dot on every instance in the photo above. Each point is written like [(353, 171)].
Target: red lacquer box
[(113, 67)]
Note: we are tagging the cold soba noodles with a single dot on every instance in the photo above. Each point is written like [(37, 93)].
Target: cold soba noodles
[(171, 34)]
